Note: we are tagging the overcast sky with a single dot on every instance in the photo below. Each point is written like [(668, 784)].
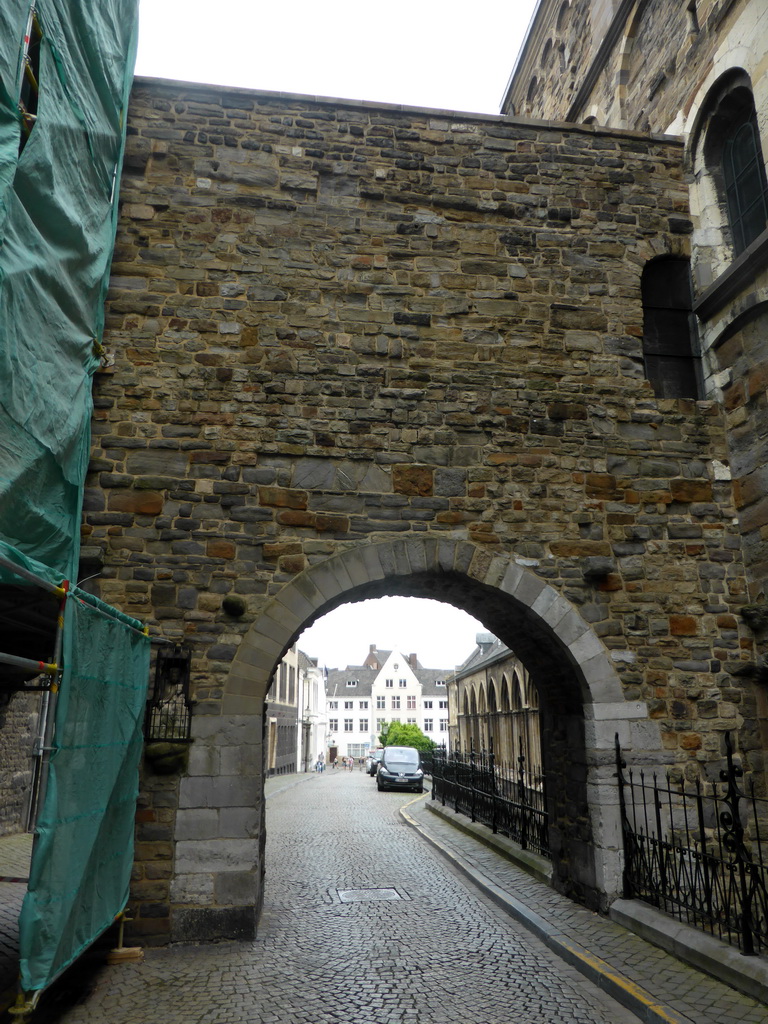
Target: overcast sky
[(442, 636), (432, 53)]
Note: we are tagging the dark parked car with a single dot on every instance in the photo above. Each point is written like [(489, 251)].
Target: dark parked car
[(374, 760), (400, 768)]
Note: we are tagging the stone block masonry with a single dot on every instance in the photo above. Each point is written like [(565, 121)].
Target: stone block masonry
[(334, 326)]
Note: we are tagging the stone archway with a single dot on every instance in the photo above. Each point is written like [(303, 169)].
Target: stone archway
[(218, 886)]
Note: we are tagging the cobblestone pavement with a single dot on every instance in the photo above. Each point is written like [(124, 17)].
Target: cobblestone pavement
[(670, 989), (364, 923), (15, 852)]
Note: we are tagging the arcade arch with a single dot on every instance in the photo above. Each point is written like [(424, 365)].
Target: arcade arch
[(582, 708)]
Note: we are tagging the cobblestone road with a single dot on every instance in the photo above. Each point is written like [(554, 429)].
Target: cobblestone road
[(430, 949)]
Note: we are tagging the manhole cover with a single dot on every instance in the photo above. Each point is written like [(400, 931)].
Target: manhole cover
[(360, 895)]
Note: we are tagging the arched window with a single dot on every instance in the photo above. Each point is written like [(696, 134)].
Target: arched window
[(734, 157), (671, 362), (745, 184)]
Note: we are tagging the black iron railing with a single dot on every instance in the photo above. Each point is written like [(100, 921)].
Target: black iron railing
[(696, 852), (507, 798)]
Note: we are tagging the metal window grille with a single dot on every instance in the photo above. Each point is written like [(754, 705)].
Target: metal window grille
[(169, 710)]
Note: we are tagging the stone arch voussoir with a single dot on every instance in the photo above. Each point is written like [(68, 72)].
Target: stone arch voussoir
[(375, 569)]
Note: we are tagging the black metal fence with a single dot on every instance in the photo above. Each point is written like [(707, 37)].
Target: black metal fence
[(508, 799), (696, 853)]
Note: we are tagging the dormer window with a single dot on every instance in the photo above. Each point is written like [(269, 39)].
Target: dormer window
[(352, 682), (440, 682)]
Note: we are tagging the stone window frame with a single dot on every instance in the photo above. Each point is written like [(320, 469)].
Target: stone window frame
[(381, 702), (716, 248), (671, 353), (428, 704), (732, 110), (402, 683), (389, 683), (333, 705), (363, 725), (333, 724), (410, 702), (429, 725), (395, 702), (363, 705), (349, 705), (349, 725)]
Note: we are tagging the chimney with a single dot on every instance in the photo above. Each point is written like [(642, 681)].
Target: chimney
[(413, 661)]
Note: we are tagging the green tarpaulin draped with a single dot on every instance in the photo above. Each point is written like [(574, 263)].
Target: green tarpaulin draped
[(57, 222), (83, 853), (58, 209)]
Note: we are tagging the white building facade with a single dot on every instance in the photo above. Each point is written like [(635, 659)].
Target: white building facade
[(389, 686)]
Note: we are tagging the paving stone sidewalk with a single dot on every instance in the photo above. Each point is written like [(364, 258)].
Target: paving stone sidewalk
[(15, 853), (363, 923), (656, 986)]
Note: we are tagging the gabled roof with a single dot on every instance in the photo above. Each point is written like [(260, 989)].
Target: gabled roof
[(337, 678), (489, 650)]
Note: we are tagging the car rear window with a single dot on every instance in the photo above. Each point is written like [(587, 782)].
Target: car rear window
[(402, 755)]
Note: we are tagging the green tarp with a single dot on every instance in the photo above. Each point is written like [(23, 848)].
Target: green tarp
[(83, 852), (58, 212), (57, 224)]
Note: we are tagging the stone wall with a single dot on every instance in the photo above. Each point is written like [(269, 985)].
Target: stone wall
[(656, 73), (656, 58), (333, 327), (18, 724)]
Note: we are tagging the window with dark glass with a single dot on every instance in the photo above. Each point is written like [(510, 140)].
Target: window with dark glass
[(734, 157), (745, 183), (671, 362)]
